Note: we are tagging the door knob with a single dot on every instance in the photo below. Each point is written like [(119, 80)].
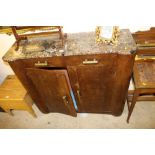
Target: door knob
[(79, 95), (65, 100)]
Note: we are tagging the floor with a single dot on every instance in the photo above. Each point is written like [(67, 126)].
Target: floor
[(143, 117)]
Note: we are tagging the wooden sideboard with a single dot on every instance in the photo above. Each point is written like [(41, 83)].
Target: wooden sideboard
[(99, 82)]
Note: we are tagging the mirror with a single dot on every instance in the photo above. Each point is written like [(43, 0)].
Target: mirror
[(107, 34)]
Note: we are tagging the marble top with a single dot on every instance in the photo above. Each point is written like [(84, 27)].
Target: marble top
[(75, 44)]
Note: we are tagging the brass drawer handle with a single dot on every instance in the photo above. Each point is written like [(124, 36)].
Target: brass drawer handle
[(65, 100), (87, 62), (41, 64)]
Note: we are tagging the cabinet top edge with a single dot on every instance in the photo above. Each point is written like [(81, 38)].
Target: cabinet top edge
[(83, 43)]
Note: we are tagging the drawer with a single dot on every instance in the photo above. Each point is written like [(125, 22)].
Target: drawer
[(43, 62), (64, 61), (97, 59)]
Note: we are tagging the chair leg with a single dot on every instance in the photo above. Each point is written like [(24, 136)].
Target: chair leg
[(17, 46), (134, 99), (128, 104)]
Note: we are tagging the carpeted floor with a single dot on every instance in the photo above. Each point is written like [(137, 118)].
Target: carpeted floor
[(143, 117)]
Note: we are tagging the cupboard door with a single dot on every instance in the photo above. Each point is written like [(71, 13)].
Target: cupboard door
[(93, 86), (102, 87), (54, 88)]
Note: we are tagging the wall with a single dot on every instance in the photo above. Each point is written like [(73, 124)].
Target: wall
[(6, 42)]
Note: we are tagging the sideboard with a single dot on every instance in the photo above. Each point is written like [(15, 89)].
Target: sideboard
[(83, 77)]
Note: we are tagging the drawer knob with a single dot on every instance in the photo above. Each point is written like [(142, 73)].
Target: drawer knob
[(87, 62)]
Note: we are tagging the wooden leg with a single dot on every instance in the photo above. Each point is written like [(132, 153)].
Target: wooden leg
[(128, 104), (17, 46), (9, 112), (18, 42), (31, 111), (134, 99)]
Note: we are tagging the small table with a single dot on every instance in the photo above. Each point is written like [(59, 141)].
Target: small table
[(13, 96)]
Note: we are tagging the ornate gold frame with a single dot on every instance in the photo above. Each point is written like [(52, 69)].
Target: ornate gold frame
[(114, 38)]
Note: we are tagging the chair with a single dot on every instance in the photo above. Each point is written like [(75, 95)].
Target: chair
[(14, 97), (144, 81), (19, 37)]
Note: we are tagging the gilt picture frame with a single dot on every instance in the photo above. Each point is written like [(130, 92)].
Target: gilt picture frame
[(107, 34)]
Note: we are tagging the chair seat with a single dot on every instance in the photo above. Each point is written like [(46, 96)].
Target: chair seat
[(144, 74)]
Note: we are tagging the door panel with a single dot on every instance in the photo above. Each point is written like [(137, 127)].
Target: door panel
[(102, 88), (93, 86), (54, 88)]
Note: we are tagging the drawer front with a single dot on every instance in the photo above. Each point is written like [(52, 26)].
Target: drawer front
[(69, 61), (43, 62), (85, 60)]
